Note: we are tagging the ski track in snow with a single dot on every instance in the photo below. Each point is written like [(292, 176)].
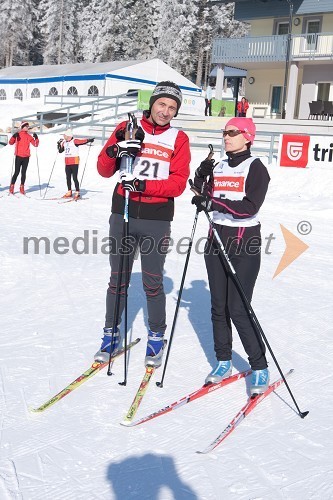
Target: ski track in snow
[(52, 312)]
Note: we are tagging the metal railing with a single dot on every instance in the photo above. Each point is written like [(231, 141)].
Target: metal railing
[(88, 113), (272, 48)]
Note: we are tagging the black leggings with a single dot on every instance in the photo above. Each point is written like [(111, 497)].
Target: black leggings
[(151, 236), (71, 171), (23, 162), (227, 304)]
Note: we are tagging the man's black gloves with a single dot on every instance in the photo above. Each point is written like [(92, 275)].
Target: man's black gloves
[(205, 168), (17, 136), (131, 183), (130, 147), (90, 140), (35, 136), (202, 203), (124, 148)]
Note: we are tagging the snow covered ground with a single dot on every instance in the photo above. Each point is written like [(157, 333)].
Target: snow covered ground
[(52, 312)]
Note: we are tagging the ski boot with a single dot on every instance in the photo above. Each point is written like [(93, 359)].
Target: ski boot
[(68, 194), (22, 189), (77, 195), (222, 370), (11, 188), (155, 347), (259, 381), (103, 354)]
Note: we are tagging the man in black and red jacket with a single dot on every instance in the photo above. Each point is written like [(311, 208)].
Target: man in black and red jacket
[(161, 158)]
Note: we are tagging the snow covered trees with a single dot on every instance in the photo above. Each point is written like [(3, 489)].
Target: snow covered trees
[(180, 32)]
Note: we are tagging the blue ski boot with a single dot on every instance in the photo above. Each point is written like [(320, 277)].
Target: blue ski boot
[(259, 381), (104, 352), (155, 347), (222, 370)]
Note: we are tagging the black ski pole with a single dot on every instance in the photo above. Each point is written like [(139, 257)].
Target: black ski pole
[(160, 384), (254, 320), (48, 182), (40, 189), (84, 169), (126, 165)]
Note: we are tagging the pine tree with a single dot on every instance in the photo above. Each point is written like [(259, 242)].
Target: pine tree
[(16, 32), (59, 25)]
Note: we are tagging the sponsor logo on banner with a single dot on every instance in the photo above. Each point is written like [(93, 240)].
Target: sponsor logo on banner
[(305, 151), (294, 151), (154, 151), (229, 184)]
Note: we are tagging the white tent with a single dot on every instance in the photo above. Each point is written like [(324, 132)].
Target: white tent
[(109, 78)]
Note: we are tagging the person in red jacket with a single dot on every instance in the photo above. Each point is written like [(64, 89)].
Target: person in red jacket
[(72, 159), (160, 171), (22, 141), (242, 107)]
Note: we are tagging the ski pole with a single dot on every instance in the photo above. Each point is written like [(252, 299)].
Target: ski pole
[(48, 182), (160, 384), (249, 309), (11, 175), (40, 189), (85, 165), (126, 165)]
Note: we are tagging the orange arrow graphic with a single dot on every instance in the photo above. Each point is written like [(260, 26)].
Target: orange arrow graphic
[(294, 248)]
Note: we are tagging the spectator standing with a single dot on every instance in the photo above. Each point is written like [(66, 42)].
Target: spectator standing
[(208, 100), (242, 107)]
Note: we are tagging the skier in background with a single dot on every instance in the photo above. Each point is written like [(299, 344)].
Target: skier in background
[(22, 141), (160, 171), (72, 160), (236, 190)]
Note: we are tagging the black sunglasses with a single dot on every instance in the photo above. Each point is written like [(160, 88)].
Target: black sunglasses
[(232, 133)]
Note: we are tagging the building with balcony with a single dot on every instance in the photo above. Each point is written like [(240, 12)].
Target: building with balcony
[(288, 55)]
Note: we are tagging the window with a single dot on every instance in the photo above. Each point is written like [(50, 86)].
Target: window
[(323, 92), (72, 91), (3, 95), (276, 100), (53, 91), (312, 28), (282, 28), (93, 90), (18, 94), (35, 94)]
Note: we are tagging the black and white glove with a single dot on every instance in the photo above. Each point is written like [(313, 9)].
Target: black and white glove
[(131, 183), (35, 136), (205, 168), (124, 148), (202, 203), (90, 140)]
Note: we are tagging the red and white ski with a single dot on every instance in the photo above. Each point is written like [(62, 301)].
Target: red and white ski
[(250, 405), (205, 389)]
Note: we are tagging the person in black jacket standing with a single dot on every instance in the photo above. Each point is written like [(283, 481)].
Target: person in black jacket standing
[(235, 191)]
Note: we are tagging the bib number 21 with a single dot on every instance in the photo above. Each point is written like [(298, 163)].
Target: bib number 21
[(149, 169)]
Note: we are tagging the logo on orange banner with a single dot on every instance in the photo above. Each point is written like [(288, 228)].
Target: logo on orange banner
[(228, 183), (155, 151), (294, 151)]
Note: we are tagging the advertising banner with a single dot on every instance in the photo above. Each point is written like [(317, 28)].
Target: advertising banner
[(191, 105), (303, 151), (223, 108)]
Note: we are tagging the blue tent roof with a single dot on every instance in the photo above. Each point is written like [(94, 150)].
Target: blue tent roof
[(230, 72)]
